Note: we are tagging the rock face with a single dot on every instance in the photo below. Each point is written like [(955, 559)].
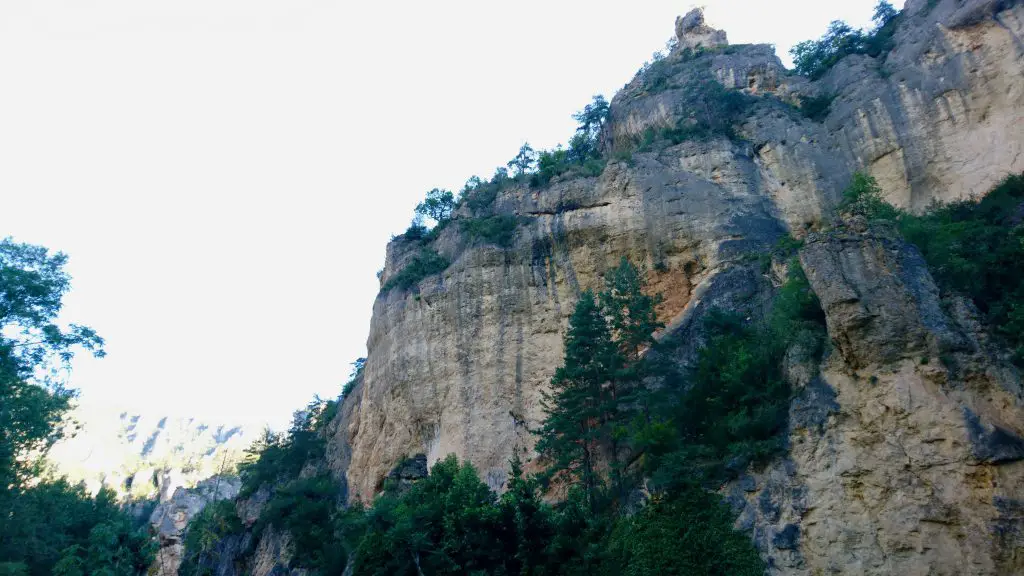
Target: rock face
[(458, 366), (905, 441), (905, 447), (692, 32), (940, 117), (171, 516)]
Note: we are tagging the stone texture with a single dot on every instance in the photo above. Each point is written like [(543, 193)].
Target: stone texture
[(940, 117), (171, 516), (692, 32), (898, 463)]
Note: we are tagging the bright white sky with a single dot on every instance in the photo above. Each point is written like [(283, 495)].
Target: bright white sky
[(225, 174)]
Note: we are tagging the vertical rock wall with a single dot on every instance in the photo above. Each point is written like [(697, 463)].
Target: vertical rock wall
[(905, 441)]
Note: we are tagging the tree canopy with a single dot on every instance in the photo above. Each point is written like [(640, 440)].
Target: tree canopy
[(47, 525)]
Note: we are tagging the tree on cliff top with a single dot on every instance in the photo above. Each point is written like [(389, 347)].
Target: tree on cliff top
[(438, 205)]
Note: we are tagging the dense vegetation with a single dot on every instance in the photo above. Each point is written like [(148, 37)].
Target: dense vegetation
[(426, 263), (305, 505), (713, 110), (48, 526), (813, 58), (608, 432), (973, 247), (497, 230)]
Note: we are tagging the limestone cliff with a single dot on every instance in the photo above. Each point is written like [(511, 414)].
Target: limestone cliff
[(905, 444), (457, 366)]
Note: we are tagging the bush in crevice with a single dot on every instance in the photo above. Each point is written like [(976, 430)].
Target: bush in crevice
[(205, 532), (426, 263), (497, 230), (816, 107)]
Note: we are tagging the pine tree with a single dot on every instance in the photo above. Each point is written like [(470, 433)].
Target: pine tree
[(632, 313), (571, 434), (632, 317)]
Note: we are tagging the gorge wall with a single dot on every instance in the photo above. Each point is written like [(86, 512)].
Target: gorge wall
[(898, 463)]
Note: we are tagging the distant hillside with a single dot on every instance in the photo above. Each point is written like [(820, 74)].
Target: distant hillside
[(146, 455)]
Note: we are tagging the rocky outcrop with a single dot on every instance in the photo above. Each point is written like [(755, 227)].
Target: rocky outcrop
[(171, 516), (905, 447), (693, 33), (939, 117)]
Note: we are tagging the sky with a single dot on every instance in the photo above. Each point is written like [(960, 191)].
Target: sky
[(225, 174)]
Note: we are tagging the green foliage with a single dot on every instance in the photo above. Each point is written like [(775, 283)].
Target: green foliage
[(687, 533), (497, 230), (584, 144), (577, 407), (353, 378), (416, 230), (813, 58), (13, 569), (447, 523), (631, 312), (48, 526), (426, 263), (217, 521), (816, 107), (451, 523), (480, 196), (277, 458), (583, 156), (713, 110), (54, 527), (977, 248), (113, 547), (437, 206), (552, 163), (598, 390), (730, 410), (523, 161), (307, 510), (864, 197), (737, 403), (973, 247)]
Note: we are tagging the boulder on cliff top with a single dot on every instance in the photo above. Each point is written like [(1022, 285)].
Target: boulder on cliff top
[(692, 32)]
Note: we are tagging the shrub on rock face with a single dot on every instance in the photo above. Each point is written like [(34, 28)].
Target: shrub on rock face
[(497, 230), (976, 248), (426, 263), (816, 107)]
